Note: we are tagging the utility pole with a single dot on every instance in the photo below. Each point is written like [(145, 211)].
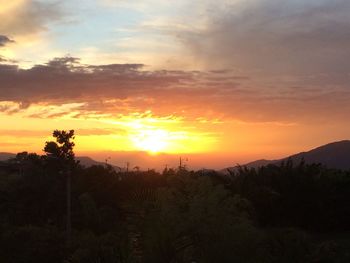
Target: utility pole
[(181, 164), (127, 166), (69, 207)]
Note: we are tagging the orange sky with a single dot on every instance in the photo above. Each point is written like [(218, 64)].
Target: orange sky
[(149, 81)]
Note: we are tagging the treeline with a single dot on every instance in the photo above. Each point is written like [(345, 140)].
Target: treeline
[(308, 196), (286, 213)]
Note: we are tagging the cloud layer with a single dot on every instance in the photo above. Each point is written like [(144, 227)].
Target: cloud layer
[(275, 37), (125, 88), (262, 61)]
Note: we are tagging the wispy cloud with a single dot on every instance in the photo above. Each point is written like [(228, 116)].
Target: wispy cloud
[(4, 40)]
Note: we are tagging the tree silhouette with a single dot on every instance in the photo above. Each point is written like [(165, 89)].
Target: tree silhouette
[(62, 151), (287, 212)]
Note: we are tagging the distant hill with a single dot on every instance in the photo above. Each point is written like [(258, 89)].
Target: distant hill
[(333, 155), (5, 156), (259, 163), (87, 161), (84, 160)]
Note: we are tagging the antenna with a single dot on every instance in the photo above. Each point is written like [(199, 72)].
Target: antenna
[(181, 163), (127, 166)]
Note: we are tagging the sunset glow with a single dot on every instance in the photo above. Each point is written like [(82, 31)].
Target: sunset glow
[(185, 78), (151, 141), (174, 131)]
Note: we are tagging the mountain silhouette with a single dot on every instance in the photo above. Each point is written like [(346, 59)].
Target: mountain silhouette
[(87, 161), (333, 155), (5, 156), (84, 160)]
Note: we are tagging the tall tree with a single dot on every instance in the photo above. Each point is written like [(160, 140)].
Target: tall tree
[(62, 151), (62, 148)]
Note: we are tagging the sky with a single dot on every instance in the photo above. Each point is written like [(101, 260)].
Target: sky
[(148, 81)]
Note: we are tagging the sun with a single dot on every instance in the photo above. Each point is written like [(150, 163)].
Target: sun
[(151, 141)]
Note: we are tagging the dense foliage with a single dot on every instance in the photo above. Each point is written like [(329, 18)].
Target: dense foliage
[(285, 213)]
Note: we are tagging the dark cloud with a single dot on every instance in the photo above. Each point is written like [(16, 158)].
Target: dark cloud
[(5, 60), (112, 89), (66, 80), (4, 40)]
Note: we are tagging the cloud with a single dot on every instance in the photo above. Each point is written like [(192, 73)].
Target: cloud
[(65, 79), (66, 87), (274, 37), (27, 17), (4, 40)]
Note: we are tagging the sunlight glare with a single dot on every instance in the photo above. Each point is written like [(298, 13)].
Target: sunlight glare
[(152, 141)]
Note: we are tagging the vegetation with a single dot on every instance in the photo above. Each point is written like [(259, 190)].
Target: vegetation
[(286, 213)]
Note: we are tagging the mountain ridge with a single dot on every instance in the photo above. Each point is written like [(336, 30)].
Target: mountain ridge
[(333, 155), (84, 160)]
